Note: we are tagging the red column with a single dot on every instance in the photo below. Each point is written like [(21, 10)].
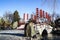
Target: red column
[(46, 15), (32, 16), (27, 16), (41, 13), (24, 16), (49, 18), (35, 17), (37, 13)]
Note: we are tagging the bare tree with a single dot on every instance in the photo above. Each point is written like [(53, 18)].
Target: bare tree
[(8, 16)]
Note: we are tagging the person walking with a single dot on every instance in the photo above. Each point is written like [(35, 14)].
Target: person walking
[(30, 29)]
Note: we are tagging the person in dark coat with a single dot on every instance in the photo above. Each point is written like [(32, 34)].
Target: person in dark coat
[(25, 29), (44, 35)]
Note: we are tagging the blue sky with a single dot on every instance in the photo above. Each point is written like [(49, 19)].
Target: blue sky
[(28, 6)]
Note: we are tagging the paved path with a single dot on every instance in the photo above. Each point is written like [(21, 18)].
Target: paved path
[(12, 31), (13, 35)]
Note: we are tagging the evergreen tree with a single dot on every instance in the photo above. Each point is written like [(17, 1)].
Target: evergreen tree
[(16, 16)]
